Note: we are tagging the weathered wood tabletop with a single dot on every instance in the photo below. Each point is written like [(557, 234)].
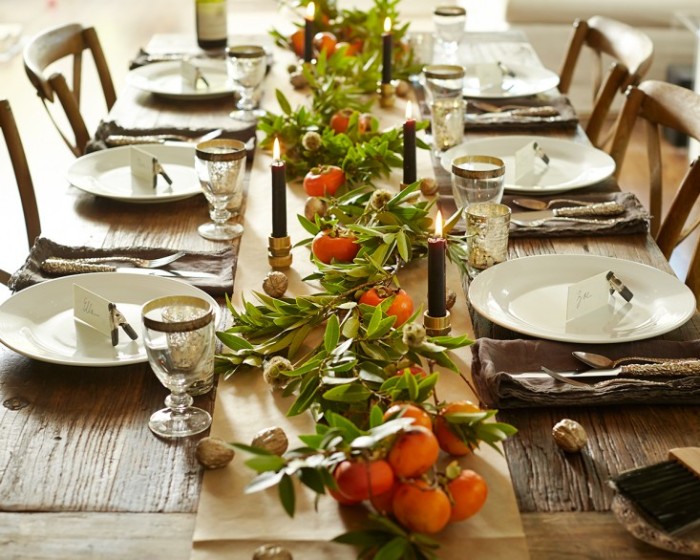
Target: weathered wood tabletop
[(82, 478)]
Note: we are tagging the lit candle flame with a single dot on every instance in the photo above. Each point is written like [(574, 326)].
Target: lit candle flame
[(438, 224), (409, 110), (276, 150), (310, 11), (387, 25)]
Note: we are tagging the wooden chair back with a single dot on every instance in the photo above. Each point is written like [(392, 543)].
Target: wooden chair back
[(631, 52), (67, 42), (22, 176), (659, 104)]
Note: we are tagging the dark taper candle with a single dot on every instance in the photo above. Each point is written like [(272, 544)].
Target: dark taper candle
[(309, 32), (386, 52), (279, 193), (436, 272), (409, 147)]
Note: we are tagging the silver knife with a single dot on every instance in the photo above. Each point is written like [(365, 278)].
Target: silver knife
[(686, 368), (597, 209), (62, 267)]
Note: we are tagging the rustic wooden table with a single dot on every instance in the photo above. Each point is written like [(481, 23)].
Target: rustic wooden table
[(81, 476)]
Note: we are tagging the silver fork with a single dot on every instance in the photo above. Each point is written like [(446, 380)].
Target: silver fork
[(535, 223), (136, 261)]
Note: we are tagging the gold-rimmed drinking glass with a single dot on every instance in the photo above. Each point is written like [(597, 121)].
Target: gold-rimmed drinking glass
[(220, 166), (246, 69), (178, 333)]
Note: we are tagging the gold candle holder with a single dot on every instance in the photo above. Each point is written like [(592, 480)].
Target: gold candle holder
[(437, 326), (387, 95), (279, 252)]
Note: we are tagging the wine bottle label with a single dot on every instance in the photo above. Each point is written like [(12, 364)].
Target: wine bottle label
[(211, 21)]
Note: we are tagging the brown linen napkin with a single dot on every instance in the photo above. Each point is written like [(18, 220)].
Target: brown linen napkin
[(493, 360), (222, 263), (634, 220), (476, 118)]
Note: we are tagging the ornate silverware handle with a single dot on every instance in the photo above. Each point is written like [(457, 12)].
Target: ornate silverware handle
[(68, 266), (668, 369), (610, 208), (119, 140)]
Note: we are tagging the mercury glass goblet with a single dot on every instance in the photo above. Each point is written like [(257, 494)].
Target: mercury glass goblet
[(178, 333), (246, 69), (220, 165)]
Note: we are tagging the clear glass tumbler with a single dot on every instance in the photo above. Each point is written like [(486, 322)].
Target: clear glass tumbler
[(449, 24), (477, 179), (178, 333), (220, 166)]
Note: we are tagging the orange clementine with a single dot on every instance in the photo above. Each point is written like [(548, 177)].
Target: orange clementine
[(409, 410), (382, 502), (468, 493), (296, 40), (414, 451), (449, 441), (357, 480), (414, 370), (420, 507)]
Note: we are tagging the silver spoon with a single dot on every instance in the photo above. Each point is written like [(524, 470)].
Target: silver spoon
[(598, 361), (537, 204)]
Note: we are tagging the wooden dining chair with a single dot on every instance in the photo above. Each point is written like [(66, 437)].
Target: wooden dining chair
[(660, 104), (630, 51), (67, 42), (23, 178)]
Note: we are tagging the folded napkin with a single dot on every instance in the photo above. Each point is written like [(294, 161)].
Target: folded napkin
[(563, 115), (493, 360), (634, 220), (221, 263)]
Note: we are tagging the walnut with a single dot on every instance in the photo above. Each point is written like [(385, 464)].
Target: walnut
[(450, 299), (315, 206), (272, 552), (569, 435), (428, 186), (402, 88), (273, 439), (214, 453), (298, 80), (275, 284)]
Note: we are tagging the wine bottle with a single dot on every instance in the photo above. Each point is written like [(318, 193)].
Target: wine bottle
[(211, 23)]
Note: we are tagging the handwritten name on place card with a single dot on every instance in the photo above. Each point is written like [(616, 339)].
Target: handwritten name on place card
[(92, 309), (588, 297)]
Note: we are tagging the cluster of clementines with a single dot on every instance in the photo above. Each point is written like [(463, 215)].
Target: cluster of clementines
[(324, 41), (403, 480)]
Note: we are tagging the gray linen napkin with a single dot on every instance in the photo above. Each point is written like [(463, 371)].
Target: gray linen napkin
[(221, 263), (634, 220), (493, 360), (477, 119)]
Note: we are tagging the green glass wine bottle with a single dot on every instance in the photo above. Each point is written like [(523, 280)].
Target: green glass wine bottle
[(211, 23)]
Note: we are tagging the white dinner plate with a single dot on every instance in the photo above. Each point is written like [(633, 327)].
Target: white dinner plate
[(108, 173), (165, 79), (38, 321), (528, 295), (527, 80), (572, 165)]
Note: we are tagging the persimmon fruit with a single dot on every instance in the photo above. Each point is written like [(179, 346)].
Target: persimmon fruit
[(357, 480), (414, 452), (401, 307), (468, 493), (420, 507), (409, 410), (449, 441)]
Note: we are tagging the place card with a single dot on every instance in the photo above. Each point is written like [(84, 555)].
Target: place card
[(92, 309), (147, 167), (191, 74), (525, 161), (490, 76), (589, 299)]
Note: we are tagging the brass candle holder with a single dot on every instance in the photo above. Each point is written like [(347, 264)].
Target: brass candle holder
[(387, 95), (279, 252), (437, 326)]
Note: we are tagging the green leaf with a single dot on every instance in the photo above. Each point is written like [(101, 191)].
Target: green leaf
[(284, 104), (376, 416), (262, 463), (395, 549), (312, 478), (332, 335), (264, 481), (287, 497), (349, 393)]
